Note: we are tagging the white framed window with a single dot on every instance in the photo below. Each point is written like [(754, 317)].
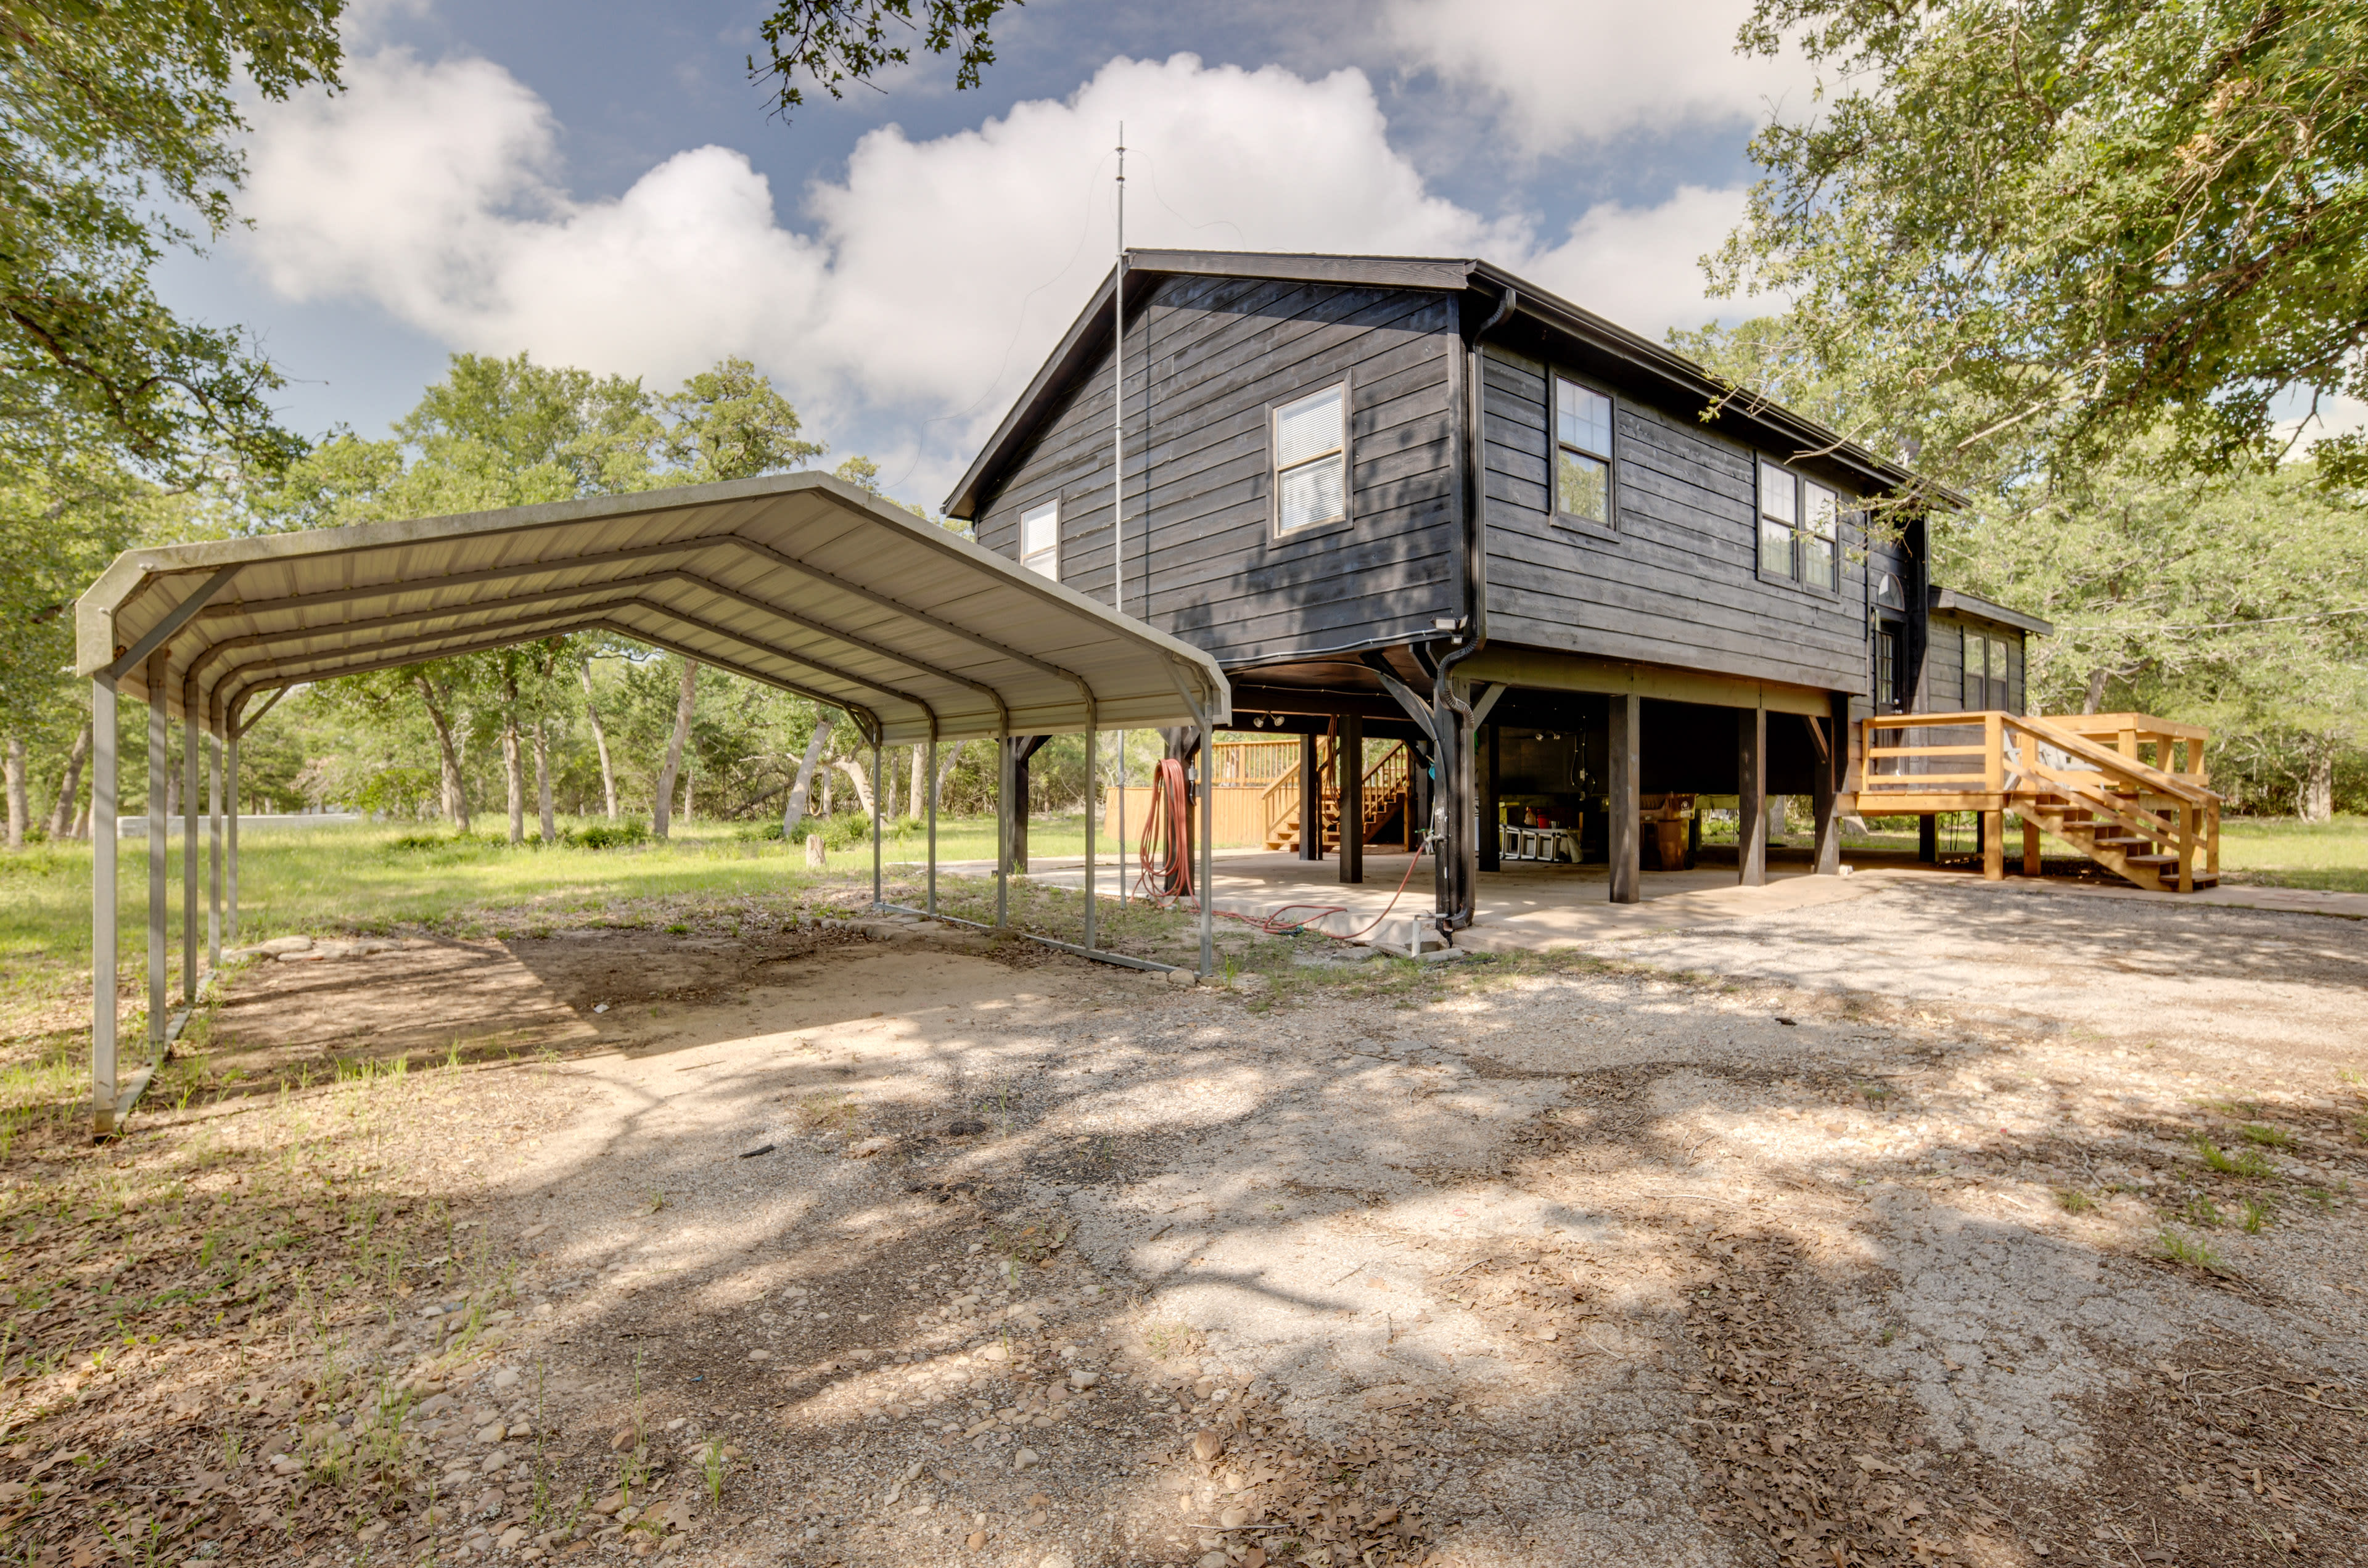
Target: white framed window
[(1040, 540), (1780, 516), (1821, 523), (1800, 529), (1582, 425), (1311, 461), (1986, 683)]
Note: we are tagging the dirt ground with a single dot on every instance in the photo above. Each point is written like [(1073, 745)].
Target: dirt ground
[(2038, 1241)]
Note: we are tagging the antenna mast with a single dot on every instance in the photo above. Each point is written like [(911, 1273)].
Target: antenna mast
[(1118, 400)]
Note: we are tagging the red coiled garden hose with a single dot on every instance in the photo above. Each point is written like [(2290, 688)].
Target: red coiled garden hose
[(1169, 824)]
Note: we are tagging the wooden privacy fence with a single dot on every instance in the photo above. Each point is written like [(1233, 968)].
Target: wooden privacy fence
[(2139, 806), (1256, 794)]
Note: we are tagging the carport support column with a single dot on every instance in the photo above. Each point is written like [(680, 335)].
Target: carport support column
[(230, 829), (160, 958), (1002, 831), (1208, 848), (876, 783), (1091, 894), (214, 854), (189, 852), (103, 955), (1351, 761), (1627, 849), (932, 775), (1752, 798), (1310, 802), (1826, 789)]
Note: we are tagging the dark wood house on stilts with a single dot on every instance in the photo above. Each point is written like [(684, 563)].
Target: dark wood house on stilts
[(1424, 500)]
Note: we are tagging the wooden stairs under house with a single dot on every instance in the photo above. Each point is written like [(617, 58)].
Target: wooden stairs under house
[(2127, 791), (1385, 796)]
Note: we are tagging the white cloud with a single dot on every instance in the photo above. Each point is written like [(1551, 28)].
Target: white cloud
[(1566, 71), (1640, 265), (926, 284)]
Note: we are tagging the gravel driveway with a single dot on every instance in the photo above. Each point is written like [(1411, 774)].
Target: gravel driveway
[(1931, 1226)]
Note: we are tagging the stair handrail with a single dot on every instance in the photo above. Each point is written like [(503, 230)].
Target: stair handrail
[(2111, 762)]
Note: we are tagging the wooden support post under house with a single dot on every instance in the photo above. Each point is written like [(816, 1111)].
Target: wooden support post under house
[(1351, 763), (1826, 742), (1994, 785), (1492, 806), (1627, 829), (1310, 802), (1752, 797)]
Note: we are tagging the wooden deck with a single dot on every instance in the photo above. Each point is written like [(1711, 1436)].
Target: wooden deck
[(2128, 790)]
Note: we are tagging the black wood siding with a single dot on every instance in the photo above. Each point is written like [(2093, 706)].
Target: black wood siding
[(1678, 585), (1943, 686), (1207, 359)]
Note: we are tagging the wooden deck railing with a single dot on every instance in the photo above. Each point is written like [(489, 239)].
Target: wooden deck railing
[(1385, 778), (2155, 822)]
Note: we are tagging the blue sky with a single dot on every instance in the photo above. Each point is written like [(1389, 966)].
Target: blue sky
[(600, 184)]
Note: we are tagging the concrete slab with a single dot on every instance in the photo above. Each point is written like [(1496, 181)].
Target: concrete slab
[(1545, 908)]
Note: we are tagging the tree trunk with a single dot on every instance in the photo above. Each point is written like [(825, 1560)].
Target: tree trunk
[(456, 793), (2094, 697), (826, 807), (919, 793), (12, 766), (861, 779), (945, 771), (542, 781), (662, 805), (690, 778), (513, 762), (793, 815), (599, 740), (2319, 785), (62, 813)]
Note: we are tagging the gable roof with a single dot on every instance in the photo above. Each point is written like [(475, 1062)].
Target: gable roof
[(1081, 348), (798, 581)]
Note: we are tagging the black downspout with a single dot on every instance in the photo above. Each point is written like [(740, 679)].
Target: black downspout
[(1454, 750)]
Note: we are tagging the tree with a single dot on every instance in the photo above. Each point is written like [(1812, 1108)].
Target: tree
[(59, 527), (116, 118), (662, 799), (801, 787), (839, 41), (2091, 219), (729, 423)]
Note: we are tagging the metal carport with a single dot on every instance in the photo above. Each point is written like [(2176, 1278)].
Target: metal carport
[(799, 581)]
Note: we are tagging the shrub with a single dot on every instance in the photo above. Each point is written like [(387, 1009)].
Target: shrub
[(605, 835)]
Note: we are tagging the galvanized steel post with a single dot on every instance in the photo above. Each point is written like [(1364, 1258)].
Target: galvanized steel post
[(103, 848)]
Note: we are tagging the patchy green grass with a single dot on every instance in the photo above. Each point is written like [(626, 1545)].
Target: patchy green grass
[(367, 878), (2283, 853)]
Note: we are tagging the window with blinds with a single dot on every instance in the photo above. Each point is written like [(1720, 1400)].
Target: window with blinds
[(1040, 540), (1311, 461)]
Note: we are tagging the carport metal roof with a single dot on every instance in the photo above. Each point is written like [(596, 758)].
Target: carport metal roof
[(799, 581)]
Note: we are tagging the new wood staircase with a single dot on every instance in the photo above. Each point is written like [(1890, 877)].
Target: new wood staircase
[(2153, 824), (1386, 796)]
